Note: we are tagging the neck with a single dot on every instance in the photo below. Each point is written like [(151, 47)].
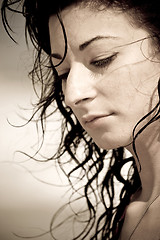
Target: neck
[(148, 151)]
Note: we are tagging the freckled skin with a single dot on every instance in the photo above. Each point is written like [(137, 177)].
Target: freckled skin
[(109, 73), (123, 88)]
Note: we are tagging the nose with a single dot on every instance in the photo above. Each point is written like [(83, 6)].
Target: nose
[(79, 87)]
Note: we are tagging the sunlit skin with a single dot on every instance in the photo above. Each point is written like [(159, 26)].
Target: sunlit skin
[(109, 80), (121, 89)]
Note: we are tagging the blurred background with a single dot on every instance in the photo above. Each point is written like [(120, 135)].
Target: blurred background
[(30, 191), (27, 197)]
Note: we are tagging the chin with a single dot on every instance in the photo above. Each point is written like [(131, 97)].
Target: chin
[(109, 145)]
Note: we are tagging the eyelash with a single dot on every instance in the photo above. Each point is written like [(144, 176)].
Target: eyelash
[(102, 63), (64, 76)]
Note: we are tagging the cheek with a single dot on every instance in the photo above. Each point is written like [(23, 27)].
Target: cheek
[(118, 88), (130, 84), (128, 92)]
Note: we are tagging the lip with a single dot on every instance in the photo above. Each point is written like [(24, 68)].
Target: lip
[(91, 119)]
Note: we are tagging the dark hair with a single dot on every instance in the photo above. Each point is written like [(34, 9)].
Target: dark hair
[(109, 223)]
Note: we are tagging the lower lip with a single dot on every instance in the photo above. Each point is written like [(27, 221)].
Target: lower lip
[(97, 122)]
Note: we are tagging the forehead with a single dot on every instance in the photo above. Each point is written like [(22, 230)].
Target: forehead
[(82, 24)]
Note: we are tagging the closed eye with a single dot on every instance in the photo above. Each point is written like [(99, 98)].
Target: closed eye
[(102, 63), (64, 76)]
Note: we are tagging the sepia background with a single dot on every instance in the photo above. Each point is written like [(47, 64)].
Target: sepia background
[(28, 197), (30, 191)]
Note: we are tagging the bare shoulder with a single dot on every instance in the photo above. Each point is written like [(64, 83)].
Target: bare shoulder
[(142, 221)]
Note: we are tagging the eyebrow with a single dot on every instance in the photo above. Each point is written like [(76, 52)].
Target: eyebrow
[(85, 44)]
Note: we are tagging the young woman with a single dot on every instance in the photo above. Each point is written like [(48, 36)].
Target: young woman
[(100, 62)]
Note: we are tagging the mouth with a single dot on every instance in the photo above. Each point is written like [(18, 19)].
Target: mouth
[(91, 119), (87, 120)]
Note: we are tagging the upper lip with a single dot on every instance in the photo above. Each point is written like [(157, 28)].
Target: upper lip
[(91, 117)]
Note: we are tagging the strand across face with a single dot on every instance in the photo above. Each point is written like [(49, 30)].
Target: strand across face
[(108, 77)]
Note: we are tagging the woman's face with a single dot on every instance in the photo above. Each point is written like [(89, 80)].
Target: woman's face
[(110, 72)]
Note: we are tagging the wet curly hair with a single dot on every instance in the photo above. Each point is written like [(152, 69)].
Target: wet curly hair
[(107, 224)]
